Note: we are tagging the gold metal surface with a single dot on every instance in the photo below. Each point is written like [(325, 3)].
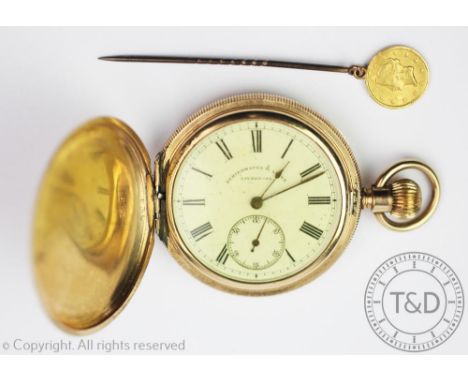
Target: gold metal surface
[(402, 198), (406, 195), (377, 199), (93, 229), (397, 76), (208, 120), (99, 205)]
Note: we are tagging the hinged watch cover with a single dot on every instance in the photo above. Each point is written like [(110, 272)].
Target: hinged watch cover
[(94, 224)]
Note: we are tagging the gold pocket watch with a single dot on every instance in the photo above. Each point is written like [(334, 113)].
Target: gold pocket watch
[(254, 194)]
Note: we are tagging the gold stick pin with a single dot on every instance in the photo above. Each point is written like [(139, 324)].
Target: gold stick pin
[(395, 77)]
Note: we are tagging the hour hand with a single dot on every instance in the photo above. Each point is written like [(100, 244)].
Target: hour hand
[(257, 201), (277, 176)]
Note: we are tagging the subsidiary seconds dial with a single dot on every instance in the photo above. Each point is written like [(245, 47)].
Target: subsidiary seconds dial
[(256, 242)]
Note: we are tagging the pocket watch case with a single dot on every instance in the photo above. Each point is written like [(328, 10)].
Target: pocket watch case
[(94, 224), (99, 206)]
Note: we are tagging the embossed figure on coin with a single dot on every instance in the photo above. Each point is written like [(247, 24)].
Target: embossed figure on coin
[(396, 76)]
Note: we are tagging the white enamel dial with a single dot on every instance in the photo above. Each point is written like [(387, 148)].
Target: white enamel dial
[(257, 167)]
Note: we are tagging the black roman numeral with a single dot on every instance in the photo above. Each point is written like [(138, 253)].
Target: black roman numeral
[(290, 256), (202, 172), (203, 231), (256, 140), (311, 230), (223, 255), (287, 148), (224, 149), (193, 202), (310, 170), (319, 200)]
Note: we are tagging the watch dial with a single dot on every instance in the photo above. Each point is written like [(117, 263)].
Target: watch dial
[(257, 200)]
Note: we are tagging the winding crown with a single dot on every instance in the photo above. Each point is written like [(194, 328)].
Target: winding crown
[(402, 198), (406, 198)]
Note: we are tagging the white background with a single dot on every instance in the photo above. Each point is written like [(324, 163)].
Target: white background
[(50, 81)]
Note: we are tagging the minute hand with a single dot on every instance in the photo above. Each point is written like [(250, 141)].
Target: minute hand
[(295, 185)]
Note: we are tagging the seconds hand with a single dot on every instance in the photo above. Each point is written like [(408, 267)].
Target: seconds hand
[(256, 241)]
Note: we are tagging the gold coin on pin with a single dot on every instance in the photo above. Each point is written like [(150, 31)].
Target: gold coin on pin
[(397, 76)]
